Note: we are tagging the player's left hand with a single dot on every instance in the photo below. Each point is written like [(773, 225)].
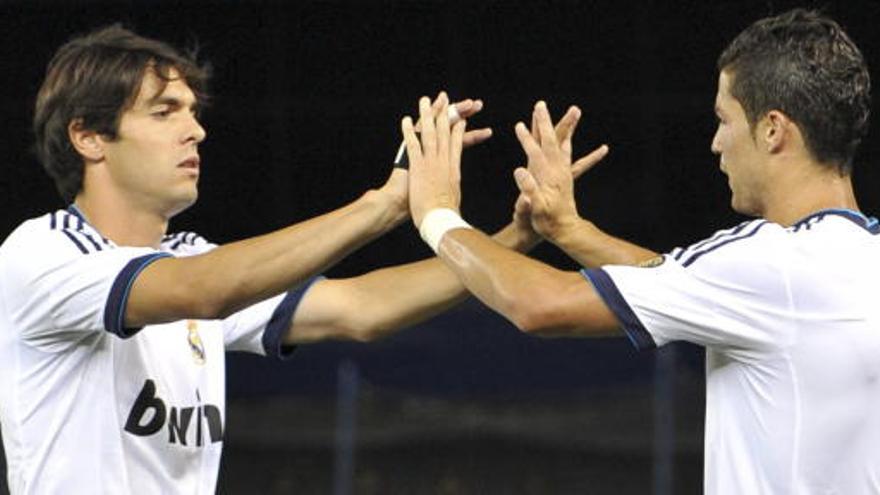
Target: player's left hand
[(435, 157)]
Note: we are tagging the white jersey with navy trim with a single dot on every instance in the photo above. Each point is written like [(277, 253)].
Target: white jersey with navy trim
[(791, 327), (89, 406)]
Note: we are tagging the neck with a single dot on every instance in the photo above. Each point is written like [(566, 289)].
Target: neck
[(121, 222), (817, 188)]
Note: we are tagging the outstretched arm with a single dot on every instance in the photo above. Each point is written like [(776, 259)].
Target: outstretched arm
[(377, 303), (239, 274), (535, 297), (236, 275), (380, 302)]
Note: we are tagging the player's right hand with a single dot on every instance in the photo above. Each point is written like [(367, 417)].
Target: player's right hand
[(546, 202)]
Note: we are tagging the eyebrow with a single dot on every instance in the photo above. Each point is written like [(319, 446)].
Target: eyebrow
[(172, 102)]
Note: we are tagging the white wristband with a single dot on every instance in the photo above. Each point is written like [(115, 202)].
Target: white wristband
[(437, 222)]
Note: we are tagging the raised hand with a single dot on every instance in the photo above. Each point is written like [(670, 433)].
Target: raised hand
[(434, 156), (546, 201), (464, 109)]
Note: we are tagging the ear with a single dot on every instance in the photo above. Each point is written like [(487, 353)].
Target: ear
[(87, 142), (777, 131)]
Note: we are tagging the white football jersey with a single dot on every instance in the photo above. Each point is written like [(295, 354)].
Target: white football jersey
[(89, 406), (791, 326)]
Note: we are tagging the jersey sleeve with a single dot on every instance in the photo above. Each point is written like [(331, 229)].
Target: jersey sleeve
[(61, 283), (730, 300), (260, 328)]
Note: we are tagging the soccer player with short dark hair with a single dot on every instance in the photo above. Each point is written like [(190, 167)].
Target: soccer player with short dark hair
[(785, 304)]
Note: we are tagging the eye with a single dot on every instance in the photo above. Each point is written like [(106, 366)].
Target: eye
[(164, 113)]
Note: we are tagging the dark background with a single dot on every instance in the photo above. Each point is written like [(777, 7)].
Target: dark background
[(307, 100)]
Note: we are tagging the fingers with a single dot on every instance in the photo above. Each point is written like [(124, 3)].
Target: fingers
[(426, 119), (567, 124), (545, 126), (441, 126), (587, 162), (527, 141), (525, 181), (476, 136), (565, 128), (534, 128), (455, 149), (437, 137), (467, 108), (413, 148), (522, 207), (437, 104)]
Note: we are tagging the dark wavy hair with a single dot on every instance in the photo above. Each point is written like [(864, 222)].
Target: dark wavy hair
[(94, 78), (804, 65)]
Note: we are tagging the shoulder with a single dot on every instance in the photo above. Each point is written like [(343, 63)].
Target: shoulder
[(186, 244), (750, 240), (58, 233)]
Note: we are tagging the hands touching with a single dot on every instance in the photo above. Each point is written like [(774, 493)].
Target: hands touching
[(546, 205), (434, 158), (396, 187), (546, 202)]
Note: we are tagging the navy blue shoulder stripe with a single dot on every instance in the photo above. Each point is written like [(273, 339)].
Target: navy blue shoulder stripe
[(73, 239), (721, 234), (179, 238), (697, 255), (74, 228)]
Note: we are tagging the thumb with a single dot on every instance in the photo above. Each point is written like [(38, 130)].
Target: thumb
[(525, 181), (523, 207)]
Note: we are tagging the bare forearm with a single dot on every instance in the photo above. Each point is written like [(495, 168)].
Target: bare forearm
[(591, 247), (380, 302), (512, 284), (414, 292), (238, 274)]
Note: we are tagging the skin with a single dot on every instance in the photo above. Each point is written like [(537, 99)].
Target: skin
[(770, 170), (134, 183), (535, 297)]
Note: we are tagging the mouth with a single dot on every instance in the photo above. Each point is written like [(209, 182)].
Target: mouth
[(190, 164)]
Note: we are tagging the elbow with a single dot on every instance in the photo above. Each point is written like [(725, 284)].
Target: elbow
[(200, 301), (544, 312), (530, 322), (368, 333), (205, 308), (366, 328), (529, 313)]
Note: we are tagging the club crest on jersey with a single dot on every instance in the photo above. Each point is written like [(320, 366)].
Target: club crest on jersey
[(195, 342), (653, 262)]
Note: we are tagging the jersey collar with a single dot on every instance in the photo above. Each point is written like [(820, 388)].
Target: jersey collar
[(870, 224), (73, 209)]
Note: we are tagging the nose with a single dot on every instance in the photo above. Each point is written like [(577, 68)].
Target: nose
[(195, 131), (716, 145)]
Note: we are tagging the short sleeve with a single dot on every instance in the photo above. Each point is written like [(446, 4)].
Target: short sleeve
[(61, 282), (260, 328), (725, 302)]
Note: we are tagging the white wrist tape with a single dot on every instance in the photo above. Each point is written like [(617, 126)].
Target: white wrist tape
[(437, 222)]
